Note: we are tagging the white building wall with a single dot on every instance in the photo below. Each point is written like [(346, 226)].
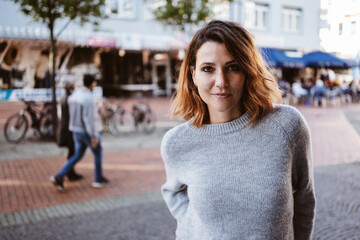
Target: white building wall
[(306, 39), (345, 42), (142, 31)]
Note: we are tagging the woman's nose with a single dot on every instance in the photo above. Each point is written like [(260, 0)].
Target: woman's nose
[(221, 80)]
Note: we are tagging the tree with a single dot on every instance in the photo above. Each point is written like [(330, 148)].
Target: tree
[(48, 12), (183, 14)]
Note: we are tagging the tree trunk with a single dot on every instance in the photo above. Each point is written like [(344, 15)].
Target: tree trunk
[(52, 74)]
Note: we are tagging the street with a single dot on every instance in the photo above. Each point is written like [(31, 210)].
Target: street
[(132, 207)]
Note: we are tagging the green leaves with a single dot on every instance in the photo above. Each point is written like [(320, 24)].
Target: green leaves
[(179, 13), (48, 11)]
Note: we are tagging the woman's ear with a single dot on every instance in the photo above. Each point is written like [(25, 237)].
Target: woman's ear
[(192, 70)]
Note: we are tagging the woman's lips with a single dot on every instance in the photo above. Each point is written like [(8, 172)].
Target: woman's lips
[(222, 95)]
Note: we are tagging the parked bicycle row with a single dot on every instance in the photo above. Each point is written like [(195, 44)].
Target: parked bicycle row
[(34, 115), (122, 122), (119, 121)]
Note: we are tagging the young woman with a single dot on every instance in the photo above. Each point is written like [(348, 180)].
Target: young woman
[(240, 167)]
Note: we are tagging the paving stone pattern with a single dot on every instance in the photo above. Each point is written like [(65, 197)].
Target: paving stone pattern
[(145, 216), (338, 202), (25, 183)]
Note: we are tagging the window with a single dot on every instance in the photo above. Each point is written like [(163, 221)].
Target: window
[(340, 28), (121, 8), (291, 20), (353, 27), (256, 15)]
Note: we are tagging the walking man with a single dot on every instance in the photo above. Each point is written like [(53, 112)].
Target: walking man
[(85, 125)]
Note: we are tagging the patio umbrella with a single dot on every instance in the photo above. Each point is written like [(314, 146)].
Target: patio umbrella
[(323, 59), (276, 58)]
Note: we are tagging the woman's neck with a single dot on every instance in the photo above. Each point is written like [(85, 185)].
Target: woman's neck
[(218, 118)]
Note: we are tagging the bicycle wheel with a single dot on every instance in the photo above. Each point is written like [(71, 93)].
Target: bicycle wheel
[(46, 127), (16, 127), (148, 123), (122, 123)]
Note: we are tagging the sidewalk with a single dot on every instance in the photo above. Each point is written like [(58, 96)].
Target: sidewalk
[(133, 164), (25, 183), (135, 167)]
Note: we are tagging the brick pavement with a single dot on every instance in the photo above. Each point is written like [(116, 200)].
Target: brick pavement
[(334, 138), (25, 183)]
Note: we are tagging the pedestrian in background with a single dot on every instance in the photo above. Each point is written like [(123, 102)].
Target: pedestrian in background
[(85, 125), (300, 92), (64, 135), (241, 166)]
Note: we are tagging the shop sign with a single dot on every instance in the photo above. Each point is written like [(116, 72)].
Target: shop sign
[(41, 94), (99, 41)]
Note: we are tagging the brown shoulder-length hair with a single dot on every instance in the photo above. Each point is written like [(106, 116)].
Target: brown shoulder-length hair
[(260, 88)]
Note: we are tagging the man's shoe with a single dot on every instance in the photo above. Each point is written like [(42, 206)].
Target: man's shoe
[(74, 176), (100, 184), (59, 184)]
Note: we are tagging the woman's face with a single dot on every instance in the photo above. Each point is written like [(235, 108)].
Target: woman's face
[(219, 80)]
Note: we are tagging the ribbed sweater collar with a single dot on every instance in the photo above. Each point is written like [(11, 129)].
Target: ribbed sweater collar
[(223, 128)]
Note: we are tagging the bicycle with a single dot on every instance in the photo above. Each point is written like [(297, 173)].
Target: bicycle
[(17, 125), (145, 119), (120, 122), (117, 119)]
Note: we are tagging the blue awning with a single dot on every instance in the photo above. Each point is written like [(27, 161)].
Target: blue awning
[(323, 59), (276, 58)]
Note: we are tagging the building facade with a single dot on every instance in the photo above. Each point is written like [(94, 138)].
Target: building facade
[(288, 25), (131, 51), (340, 31)]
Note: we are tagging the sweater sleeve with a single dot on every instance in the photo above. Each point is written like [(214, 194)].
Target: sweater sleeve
[(173, 191), (302, 181)]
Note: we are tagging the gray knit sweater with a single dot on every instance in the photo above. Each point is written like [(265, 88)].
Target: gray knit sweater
[(232, 181)]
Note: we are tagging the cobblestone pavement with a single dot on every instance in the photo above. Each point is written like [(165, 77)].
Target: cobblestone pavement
[(146, 218), (338, 202), (132, 208)]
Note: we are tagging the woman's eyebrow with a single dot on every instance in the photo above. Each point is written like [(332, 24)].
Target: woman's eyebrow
[(212, 64), (207, 63)]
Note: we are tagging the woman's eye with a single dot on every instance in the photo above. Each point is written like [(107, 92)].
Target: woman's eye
[(207, 69), (234, 67)]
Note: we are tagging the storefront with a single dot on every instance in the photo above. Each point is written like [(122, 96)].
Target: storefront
[(24, 63), (121, 70)]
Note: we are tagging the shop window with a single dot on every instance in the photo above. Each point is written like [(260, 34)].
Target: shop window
[(129, 68), (291, 18)]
